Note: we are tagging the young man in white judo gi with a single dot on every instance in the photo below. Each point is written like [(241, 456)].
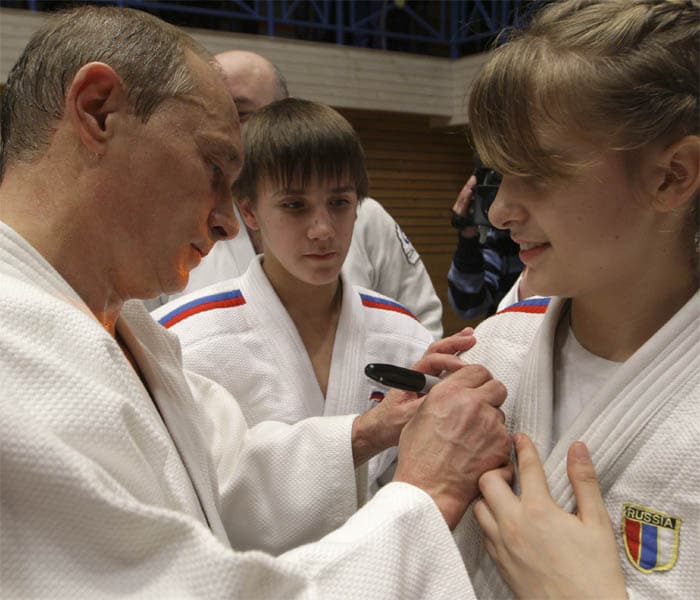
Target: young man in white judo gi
[(600, 188), (121, 473), (291, 337), (381, 257)]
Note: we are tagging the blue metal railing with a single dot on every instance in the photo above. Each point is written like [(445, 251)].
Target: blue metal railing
[(439, 27)]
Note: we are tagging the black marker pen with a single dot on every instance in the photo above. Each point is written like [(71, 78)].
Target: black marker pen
[(398, 377)]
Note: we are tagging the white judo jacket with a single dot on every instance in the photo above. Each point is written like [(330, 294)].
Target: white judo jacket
[(380, 258), (107, 491), (642, 429), (239, 334)]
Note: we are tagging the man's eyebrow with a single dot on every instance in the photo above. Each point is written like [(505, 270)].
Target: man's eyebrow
[(221, 148)]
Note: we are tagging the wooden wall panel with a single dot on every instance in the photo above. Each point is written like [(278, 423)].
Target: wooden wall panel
[(416, 172)]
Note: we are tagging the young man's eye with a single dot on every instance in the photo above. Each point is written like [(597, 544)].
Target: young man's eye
[(293, 204), (340, 201)]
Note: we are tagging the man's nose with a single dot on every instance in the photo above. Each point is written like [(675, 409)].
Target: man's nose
[(223, 224)]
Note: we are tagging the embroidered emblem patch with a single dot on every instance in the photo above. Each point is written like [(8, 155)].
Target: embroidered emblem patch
[(651, 537), (411, 253)]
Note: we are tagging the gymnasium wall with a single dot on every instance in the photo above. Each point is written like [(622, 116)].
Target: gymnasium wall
[(409, 111)]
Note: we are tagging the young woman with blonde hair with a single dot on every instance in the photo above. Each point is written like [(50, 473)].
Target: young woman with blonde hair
[(591, 115)]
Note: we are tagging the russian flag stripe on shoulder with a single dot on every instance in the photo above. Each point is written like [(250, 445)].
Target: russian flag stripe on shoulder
[(205, 303), (384, 304), (530, 305)]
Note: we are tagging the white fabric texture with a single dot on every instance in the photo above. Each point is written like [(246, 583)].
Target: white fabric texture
[(107, 492), (642, 429), (380, 258), (254, 350)]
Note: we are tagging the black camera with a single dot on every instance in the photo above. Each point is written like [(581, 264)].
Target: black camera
[(483, 195)]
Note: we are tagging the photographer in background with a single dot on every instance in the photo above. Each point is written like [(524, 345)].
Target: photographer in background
[(485, 264)]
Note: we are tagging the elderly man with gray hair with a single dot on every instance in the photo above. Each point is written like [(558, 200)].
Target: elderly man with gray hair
[(122, 474)]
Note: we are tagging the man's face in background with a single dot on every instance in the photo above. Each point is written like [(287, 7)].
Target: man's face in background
[(251, 81)]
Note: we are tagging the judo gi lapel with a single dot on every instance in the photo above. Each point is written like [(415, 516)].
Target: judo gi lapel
[(532, 412), (172, 396), (611, 423), (27, 264), (622, 416), (628, 408), (533, 409), (285, 343), (19, 259), (349, 356)]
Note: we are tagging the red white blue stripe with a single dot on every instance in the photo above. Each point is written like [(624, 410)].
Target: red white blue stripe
[(205, 303), (530, 305), (650, 547), (384, 304), (643, 541), (376, 396)]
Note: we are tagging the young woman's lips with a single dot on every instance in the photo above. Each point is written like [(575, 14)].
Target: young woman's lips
[(530, 251)]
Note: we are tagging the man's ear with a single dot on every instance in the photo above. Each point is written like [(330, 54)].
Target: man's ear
[(246, 208), (95, 95), (680, 179)]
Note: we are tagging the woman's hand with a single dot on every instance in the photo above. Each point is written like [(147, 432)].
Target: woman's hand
[(542, 551)]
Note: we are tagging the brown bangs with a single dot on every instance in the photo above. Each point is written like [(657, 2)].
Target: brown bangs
[(613, 74), (293, 142), (523, 108), (296, 165)]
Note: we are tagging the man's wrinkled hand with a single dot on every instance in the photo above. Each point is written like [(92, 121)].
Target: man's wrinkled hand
[(456, 435), (380, 427)]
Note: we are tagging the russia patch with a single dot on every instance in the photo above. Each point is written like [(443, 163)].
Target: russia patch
[(651, 537)]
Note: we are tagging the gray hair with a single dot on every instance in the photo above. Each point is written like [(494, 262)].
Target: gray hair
[(149, 55)]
